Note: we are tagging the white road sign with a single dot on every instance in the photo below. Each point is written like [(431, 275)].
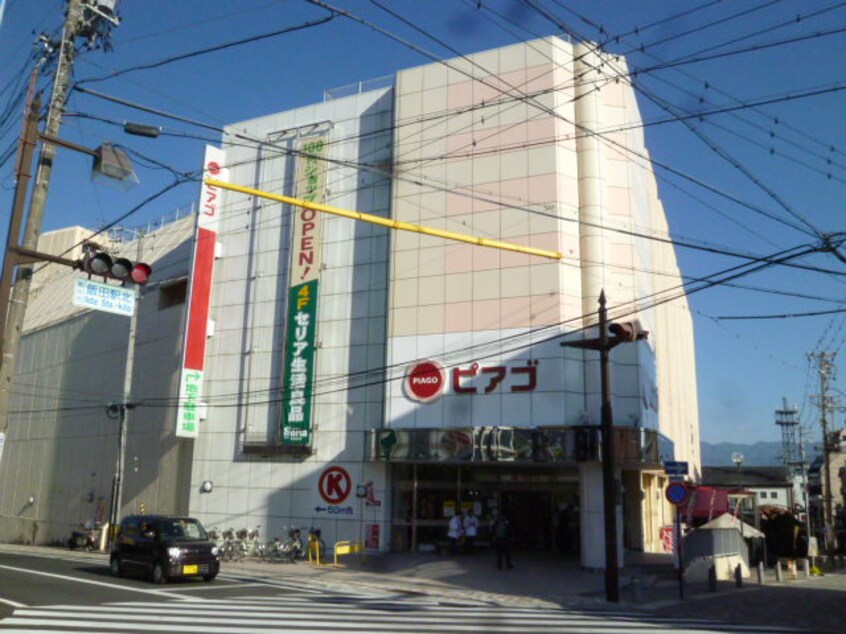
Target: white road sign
[(99, 296)]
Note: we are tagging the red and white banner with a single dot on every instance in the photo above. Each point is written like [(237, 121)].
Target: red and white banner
[(199, 297)]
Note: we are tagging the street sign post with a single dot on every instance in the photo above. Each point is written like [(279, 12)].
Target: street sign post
[(677, 493), (675, 468)]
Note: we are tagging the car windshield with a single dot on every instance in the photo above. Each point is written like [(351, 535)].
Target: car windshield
[(182, 530)]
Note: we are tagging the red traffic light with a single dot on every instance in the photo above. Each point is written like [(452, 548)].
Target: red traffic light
[(122, 269), (141, 273), (627, 331)]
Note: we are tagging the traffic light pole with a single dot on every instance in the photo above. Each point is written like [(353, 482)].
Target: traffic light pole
[(623, 333), (125, 406), (609, 493)]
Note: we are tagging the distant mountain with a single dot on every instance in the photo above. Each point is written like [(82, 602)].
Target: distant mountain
[(759, 454)]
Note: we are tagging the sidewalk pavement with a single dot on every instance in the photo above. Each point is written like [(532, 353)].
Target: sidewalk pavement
[(813, 604)]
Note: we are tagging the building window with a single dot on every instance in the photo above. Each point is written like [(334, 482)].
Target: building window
[(173, 294), (762, 494)]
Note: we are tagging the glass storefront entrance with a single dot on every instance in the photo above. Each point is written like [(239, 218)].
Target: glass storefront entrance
[(537, 500)]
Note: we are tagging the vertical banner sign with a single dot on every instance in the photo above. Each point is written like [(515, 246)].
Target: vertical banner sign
[(199, 297), (301, 336)]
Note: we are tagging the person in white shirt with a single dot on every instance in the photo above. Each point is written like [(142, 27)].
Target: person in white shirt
[(471, 530), (456, 532)]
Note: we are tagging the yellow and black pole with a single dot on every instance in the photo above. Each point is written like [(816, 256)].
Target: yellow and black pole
[(398, 225)]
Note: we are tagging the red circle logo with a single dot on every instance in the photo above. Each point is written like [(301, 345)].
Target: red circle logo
[(425, 381), (334, 485), (213, 167)]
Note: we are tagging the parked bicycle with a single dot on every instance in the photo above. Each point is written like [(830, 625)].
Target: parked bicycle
[(288, 549), (230, 549)]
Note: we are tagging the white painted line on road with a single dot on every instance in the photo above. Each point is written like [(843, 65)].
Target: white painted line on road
[(115, 586), (14, 604), (216, 586)]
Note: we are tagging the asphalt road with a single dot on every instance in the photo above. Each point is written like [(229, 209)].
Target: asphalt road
[(53, 590), (71, 578)]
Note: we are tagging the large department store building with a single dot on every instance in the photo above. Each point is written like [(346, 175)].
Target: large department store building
[(316, 370)]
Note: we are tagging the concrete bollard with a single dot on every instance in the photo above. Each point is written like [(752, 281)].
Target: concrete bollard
[(779, 577), (760, 569), (712, 579), (806, 568), (738, 576), (637, 590)]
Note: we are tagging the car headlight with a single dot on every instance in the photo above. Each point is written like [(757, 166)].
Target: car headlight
[(215, 551), (174, 553)]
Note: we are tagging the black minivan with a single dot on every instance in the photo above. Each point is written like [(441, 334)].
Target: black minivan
[(164, 547)]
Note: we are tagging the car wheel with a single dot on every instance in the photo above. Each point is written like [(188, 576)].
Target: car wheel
[(115, 566), (210, 576), (158, 573), (72, 543)]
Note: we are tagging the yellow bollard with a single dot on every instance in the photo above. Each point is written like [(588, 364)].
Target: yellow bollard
[(347, 548), (314, 550)]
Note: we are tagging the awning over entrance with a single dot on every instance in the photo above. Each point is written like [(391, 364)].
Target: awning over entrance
[(634, 447)]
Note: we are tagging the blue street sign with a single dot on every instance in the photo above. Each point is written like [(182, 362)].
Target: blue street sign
[(672, 467), (677, 493)]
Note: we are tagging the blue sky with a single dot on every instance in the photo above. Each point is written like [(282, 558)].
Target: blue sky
[(785, 161)]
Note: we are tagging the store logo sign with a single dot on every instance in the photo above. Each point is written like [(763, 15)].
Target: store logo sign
[(425, 381)]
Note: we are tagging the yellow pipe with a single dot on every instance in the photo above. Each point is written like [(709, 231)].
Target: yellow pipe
[(386, 222)]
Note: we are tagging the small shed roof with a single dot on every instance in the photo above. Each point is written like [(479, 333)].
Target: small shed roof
[(727, 520)]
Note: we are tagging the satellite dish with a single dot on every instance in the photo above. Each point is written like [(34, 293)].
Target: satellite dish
[(737, 458)]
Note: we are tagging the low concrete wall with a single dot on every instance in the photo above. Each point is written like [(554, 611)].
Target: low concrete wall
[(725, 565)]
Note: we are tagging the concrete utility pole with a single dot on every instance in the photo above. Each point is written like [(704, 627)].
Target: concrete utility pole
[(825, 363), (125, 406), (14, 313)]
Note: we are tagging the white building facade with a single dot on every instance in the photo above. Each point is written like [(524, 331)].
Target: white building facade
[(372, 382)]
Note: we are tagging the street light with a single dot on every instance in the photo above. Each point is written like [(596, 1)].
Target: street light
[(737, 458), (623, 332)]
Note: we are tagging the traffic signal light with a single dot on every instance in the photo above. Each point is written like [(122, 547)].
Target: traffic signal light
[(628, 331), (122, 269)]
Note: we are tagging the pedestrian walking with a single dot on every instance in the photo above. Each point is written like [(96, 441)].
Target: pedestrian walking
[(471, 530), (503, 534), (455, 532), (565, 530)]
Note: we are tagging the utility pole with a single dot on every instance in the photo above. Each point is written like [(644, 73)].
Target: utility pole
[(15, 310), (622, 333), (825, 363), (125, 406), (84, 18)]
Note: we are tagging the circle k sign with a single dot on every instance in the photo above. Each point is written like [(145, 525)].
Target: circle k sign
[(425, 381), (335, 485)]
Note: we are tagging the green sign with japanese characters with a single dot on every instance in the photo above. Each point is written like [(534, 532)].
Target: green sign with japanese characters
[(299, 364)]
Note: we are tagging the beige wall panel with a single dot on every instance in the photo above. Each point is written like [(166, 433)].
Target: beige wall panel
[(486, 285)]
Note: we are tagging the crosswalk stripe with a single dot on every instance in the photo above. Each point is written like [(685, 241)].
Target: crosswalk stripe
[(273, 615)]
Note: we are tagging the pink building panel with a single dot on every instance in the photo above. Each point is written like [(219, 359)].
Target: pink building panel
[(546, 310), (458, 317), (486, 314), (619, 200), (486, 259), (543, 189), (458, 258), (515, 312)]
